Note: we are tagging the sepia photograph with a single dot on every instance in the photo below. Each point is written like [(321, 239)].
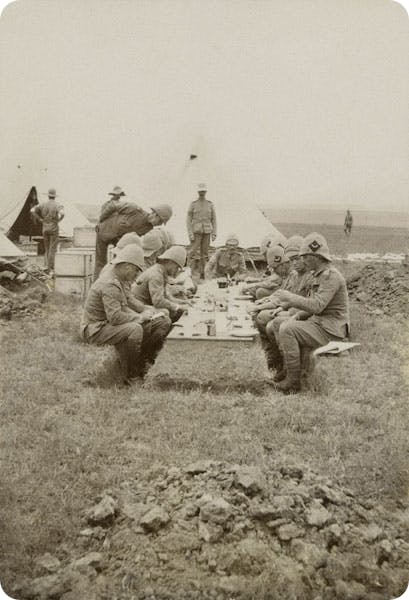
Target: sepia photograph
[(204, 300)]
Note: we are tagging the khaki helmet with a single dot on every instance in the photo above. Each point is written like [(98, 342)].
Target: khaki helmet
[(166, 237), (232, 240), (202, 187), (293, 245), (177, 254), (315, 244), (132, 254), (164, 211), (51, 193), (276, 256), (129, 238), (151, 242), (270, 240)]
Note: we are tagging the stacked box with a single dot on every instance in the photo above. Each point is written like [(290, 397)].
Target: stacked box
[(85, 237), (73, 273)]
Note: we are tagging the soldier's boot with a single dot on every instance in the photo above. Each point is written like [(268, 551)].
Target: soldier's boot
[(292, 383), (135, 360), (122, 352), (280, 375), (202, 266), (195, 269), (272, 353)]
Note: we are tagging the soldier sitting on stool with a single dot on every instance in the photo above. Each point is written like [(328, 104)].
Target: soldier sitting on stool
[(322, 316)]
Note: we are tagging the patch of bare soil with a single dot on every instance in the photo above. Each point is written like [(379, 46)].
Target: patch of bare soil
[(381, 288), (219, 530)]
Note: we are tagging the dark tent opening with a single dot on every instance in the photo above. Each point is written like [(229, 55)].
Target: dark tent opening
[(25, 224)]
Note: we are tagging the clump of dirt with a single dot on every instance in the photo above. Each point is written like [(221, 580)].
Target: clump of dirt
[(26, 301), (222, 531), (381, 288)]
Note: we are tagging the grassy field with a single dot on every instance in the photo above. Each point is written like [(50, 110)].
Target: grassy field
[(67, 432), (363, 239)]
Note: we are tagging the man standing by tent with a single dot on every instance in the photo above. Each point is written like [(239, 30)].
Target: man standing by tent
[(126, 218), (49, 214), (201, 226)]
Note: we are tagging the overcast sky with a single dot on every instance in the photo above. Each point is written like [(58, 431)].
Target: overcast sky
[(293, 102)]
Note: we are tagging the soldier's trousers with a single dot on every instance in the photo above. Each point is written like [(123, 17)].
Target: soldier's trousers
[(50, 247), (199, 252), (291, 336)]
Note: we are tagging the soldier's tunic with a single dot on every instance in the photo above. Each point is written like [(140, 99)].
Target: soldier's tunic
[(201, 224), (327, 305), (226, 261), (118, 220), (50, 214), (110, 317), (150, 288)]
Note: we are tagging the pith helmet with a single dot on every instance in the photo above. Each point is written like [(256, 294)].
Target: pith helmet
[(164, 211), (129, 238), (276, 256), (177, 254), (151, 242), (271, 240), (166, 237), (315, 244), (130, 254), (293, 245), (117, 191), (202, 187), (232, 240)]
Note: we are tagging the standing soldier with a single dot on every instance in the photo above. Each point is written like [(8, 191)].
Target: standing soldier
[(49, 214), (321, 317), (348, 223), (112, 204), (201, 226)]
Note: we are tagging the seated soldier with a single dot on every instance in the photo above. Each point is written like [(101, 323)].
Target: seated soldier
[(128, 239), (279, 265), (227, 261), (267, 308), (109, 317), (254, 281), (151, 246), (151, 286), (321, 317)]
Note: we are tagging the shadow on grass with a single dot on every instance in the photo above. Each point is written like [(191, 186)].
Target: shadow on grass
[(164, 381)]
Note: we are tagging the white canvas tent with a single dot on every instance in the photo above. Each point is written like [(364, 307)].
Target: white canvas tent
[(236, 212), (8, 249), (20, 194)]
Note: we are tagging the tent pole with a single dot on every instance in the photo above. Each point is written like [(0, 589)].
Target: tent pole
[(253, 264)]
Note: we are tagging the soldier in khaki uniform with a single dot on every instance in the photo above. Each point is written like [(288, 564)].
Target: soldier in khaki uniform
[(297, 281), (201, 226), (321, 317), (151, 287), (227, 261), (112, 204), (49, 214), (111, 316)]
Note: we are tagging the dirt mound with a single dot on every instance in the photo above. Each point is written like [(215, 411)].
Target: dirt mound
[(25, 302), (382, 289), (222, 531)]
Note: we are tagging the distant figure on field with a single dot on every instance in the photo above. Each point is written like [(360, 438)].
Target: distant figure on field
[(49, 213), (112, 204), (125, 218), (227, 261), (348, 223), (112, 316), (201, 226)]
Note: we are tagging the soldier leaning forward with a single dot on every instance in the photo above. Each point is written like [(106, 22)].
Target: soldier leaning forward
[(112, 317), (227, 261)]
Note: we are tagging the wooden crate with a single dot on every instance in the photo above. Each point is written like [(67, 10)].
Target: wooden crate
[(88, 251), (85, 237), (77, 287), (70, 264)]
